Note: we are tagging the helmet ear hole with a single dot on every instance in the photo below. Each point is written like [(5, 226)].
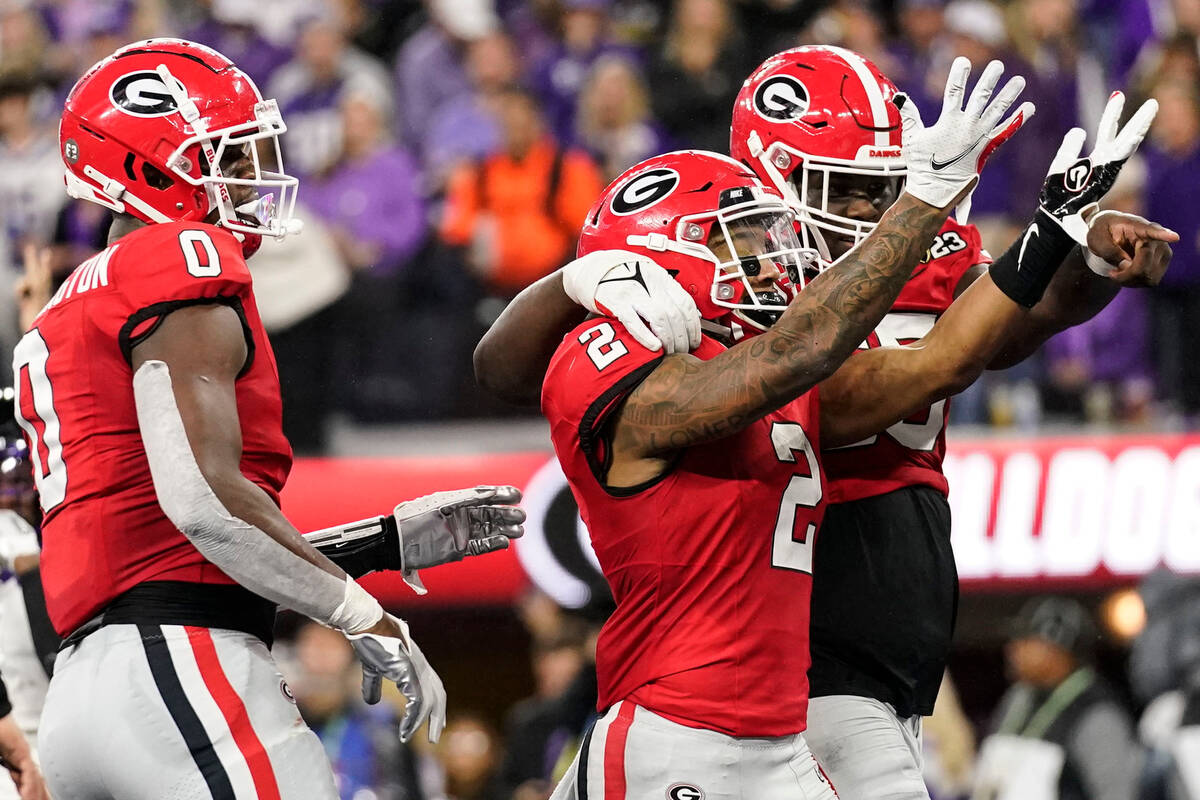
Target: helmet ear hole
[(155, 177)]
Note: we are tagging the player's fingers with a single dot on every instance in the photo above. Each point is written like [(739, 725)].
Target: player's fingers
[(487, 544), (1144, 230), (481, 496), (910, 115), (437, 710), (692, 315), (658, 321), (677, 326), (982, 92), (495, 516), (372, 686), (1005, 131), (1004, 100), (1110, 119), (414, 710), (29, 254), (956, 84), (638, 329), (1150, 260), (1131, 135), (1069, 151)]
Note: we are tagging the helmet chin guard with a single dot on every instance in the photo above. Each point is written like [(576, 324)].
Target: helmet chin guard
[(729, 240)]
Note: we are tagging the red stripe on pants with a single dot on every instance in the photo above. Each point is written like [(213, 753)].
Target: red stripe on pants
[(614, 753), (234, 711)]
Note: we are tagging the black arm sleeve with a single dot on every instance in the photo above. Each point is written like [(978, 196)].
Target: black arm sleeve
[(45, 638), (5, 706)]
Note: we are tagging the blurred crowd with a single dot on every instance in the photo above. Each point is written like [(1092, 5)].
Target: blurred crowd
[(1064, 725), (448, 150)]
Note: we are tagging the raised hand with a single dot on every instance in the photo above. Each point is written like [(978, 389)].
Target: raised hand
[(1076, 183), (945, 158)]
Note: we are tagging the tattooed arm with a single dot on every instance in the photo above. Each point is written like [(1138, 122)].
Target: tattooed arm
[(685, 401)]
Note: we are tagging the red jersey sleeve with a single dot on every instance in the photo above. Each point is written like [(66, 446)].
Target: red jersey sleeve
[(956, 249), (162, 268), (596, 367)]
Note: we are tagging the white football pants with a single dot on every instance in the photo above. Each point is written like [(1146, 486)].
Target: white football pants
[(634, 754), (868, 752), (151, 712)]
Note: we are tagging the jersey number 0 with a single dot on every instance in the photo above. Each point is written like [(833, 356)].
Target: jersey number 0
[(36, 413)]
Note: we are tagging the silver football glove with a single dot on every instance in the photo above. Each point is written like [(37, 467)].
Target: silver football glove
[(448, 526), (403, 663)]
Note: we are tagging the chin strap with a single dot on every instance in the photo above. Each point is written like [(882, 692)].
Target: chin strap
[(727, 335)]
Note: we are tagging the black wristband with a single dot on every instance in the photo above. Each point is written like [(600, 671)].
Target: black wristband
[(1026, 268), (368, 554)]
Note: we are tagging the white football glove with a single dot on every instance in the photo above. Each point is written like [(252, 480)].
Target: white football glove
[(946, 157), (403, 663), (639, 294), (17, 538), (1076, 184)]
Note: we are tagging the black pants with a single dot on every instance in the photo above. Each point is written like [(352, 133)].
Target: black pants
[(885, 598)]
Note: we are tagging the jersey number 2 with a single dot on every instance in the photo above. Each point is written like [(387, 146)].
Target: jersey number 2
[(602, 350), (803, 491)]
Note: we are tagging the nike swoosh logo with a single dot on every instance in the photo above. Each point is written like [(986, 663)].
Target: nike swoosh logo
[(635, 274), (1033, 231), (940, 165)]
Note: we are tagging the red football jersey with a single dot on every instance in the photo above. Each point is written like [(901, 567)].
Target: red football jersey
[(710, 565), (104, 531), (910, 452)]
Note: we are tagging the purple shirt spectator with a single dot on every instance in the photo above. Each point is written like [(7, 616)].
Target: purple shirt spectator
[(1171, 183), (375, 200), (429, 72), (1113, 344), (559, 79), (309, 88), (460, 130), (242, 45)]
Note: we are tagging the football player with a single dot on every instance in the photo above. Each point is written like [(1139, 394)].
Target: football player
[(681, 464), (808, 122), (27, 643), (885, 595), (148, 393)]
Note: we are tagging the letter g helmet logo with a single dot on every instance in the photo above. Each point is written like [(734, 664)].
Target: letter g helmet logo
[(644, 190), (684, 791), (143, 94), (781, 98)]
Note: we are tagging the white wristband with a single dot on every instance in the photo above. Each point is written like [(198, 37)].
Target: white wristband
[(358, 611), (1097, 264)]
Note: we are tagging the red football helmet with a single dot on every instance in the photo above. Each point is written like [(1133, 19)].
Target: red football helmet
[(812, 114), (712, 224), (145, 132)]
